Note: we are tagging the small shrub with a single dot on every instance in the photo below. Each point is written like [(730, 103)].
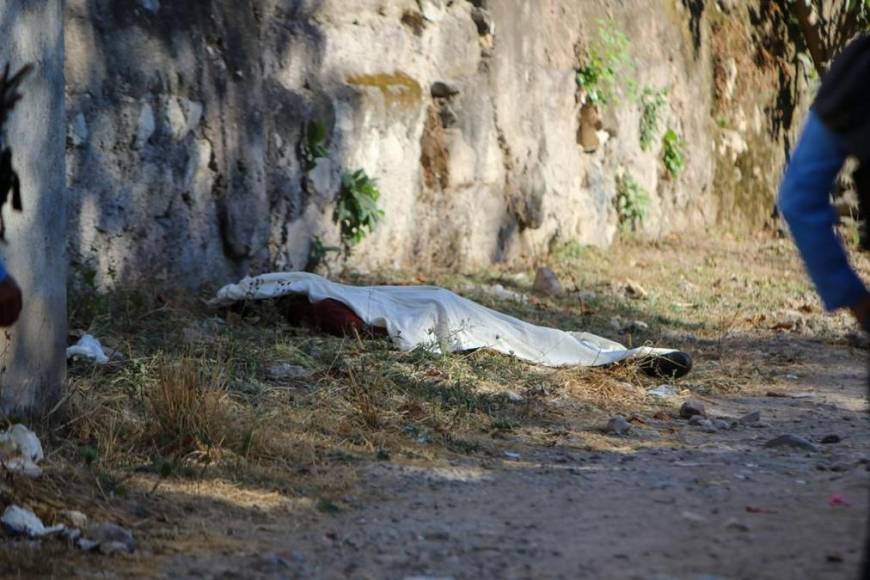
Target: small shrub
[(189, 406), (632, 203), (672, 153), (357, 212), (567, 252), (314, 144), (608, 65), (318, 253), (652, 103)]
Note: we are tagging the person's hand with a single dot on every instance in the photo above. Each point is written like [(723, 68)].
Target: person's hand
[(10, 302), (861, 312)]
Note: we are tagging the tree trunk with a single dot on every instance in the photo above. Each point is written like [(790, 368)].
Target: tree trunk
[(33, 352)]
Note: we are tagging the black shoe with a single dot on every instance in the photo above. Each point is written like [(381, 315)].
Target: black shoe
[(673, 365)]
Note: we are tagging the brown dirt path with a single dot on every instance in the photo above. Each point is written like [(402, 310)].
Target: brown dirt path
[(714, 505)]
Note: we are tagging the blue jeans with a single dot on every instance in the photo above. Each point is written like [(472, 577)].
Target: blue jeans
[(804, 201)]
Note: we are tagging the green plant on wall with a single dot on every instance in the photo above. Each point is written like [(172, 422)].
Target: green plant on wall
[(608, 68), (652, 103), (357, 212), (632, 203), (318, 253), (314, 144), (672, 153)]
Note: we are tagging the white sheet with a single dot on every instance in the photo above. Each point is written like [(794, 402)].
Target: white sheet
[(437, 319)]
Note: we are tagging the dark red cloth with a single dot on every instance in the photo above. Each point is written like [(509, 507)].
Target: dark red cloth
[(329, 316)]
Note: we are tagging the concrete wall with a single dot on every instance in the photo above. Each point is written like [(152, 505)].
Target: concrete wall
[(185, 121), (32, 363)]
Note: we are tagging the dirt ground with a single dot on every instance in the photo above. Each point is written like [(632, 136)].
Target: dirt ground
[(709, 506), (538, 487)]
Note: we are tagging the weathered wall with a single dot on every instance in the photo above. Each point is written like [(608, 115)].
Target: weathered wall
[(33, 352), (185, 118)]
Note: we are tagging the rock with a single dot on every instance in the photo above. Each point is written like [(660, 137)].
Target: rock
[(830, 439), (691, 408), (707, 426), (271, 564), (19, 520), (634, 290), (693, 517), (484, 22), (180, 116), (736, 525), (150, 5), (722, 425), (586, 295), (111, 538), (663, 392), (77, 133), (750, 418), (791, 440), (624, 326), (686, 286), (727, 6), (287, 371), (502, 293), (75, 519), (448, 116), (618, 426), (432, 10), (696, 420), (145, 127), (442, 90), (324, 180), (514, 397), (789, 320), (547, 283), (87, 545)]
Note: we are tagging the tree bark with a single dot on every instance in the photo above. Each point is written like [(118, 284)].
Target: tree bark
[(33, 352)]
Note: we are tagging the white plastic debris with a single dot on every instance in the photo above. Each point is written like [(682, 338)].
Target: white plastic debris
[(88, 348), (663, 392), (19, 520), (21, 451)]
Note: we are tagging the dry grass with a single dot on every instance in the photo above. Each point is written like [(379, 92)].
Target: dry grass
[(194, 388), (192, 407)]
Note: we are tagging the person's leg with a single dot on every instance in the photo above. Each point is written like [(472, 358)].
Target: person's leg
[(805, 204)]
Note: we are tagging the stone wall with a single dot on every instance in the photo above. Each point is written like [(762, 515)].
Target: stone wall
[(185, 121)]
